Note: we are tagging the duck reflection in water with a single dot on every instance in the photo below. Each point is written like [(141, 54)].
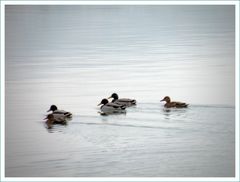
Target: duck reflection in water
[(174, 112)]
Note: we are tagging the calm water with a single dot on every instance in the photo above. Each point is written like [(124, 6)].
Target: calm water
[(73, 56)]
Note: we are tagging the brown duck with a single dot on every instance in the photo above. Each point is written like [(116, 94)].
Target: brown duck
[(170, 104), (51, 119)]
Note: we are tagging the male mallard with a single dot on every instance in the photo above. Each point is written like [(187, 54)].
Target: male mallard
[(59, 113), (173, 104), (122, 101), (110, 108)]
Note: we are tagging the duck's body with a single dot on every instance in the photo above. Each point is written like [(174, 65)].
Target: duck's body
[(111, 108), (173, 104), (59, 113), (122, 101), (59, 118), (55, 119)]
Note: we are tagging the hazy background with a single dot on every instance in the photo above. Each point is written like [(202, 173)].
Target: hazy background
[(186, 52), (73, 56)]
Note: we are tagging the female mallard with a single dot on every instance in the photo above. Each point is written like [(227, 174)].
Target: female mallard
[(122, 101), (55, 119), (59, 113), (110, 108), (170, 104)]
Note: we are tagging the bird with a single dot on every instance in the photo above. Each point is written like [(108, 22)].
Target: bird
[(59, 113), (51, 120), (111, 108), (170, 104), (122, 101)]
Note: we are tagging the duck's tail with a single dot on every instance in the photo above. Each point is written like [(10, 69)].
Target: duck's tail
[(123, 107), (134, 102), (181, 105), (68, 114)]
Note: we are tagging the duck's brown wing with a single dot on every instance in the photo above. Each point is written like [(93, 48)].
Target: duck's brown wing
[(180, 104)]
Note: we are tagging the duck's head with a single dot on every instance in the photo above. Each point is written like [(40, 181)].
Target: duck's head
[(104, 101), (52, 108), (167, 99), (50, 117), (114, 96)]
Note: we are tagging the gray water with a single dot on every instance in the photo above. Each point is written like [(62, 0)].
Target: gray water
[(73, 56)]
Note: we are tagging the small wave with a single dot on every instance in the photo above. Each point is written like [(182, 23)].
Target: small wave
[(211, 106), (128, 125)]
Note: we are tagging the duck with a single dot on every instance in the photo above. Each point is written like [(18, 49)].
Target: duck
[(122, 101), (111, 108), (59, 113), (170, 104), (51, 120)]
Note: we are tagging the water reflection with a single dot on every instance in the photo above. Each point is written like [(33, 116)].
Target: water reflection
[(174, 112), (55, 128)]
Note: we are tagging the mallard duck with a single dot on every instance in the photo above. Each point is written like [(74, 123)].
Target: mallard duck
[(110, 108), (55, 119), (170, 104), (122, 101), (59, 113)]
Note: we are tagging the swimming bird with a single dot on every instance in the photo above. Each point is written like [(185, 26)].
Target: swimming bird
[(170, 104), (110, 108), (51, 119), (59, 113), (122, 101)]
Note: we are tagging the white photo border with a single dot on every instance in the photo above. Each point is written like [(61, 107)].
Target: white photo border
[(235, 3)]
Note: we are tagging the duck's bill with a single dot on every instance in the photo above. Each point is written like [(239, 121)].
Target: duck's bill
[(45, 118), (48, 110), (161, 100), (99, 104), (110, 97), (102, 113)]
